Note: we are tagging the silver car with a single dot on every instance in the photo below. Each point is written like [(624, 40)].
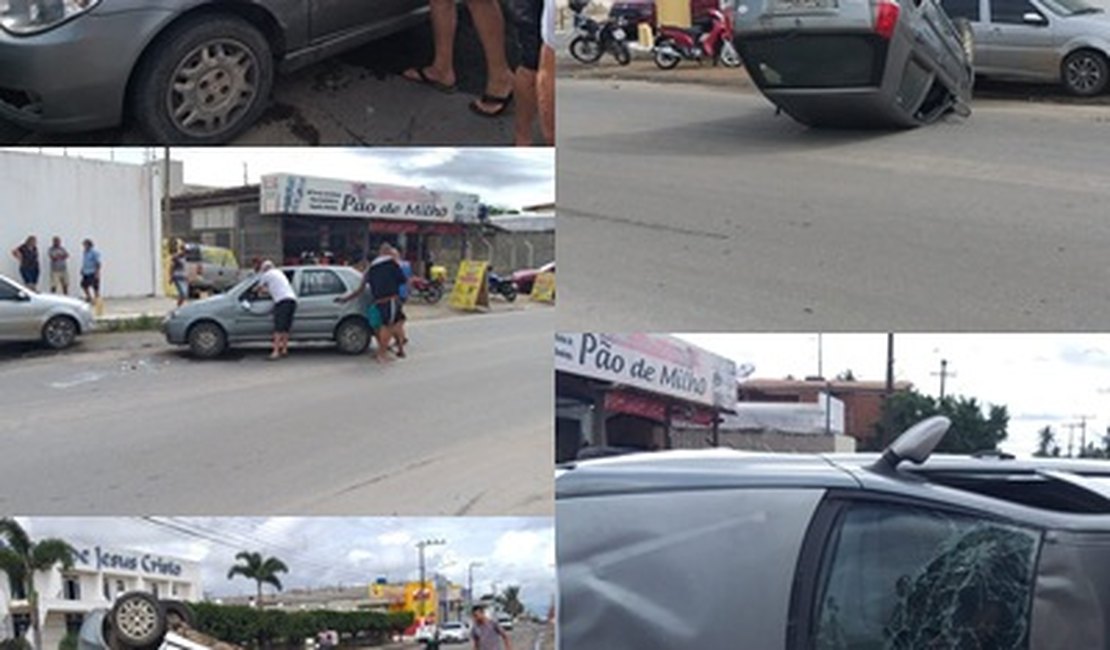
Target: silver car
[(242, 315), (857, 63), (29, 316), (1056, 41), (899, 551)]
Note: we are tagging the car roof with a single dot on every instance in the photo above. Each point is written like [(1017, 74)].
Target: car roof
[(1057, 493)]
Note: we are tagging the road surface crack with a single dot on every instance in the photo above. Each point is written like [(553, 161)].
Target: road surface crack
[(678, 230)]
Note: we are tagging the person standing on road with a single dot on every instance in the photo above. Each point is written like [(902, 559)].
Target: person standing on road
[(405, 290), (91, 267), (28, 255), (486, 633), (178, 275), (383, 279), (274, 282), (59, 273)]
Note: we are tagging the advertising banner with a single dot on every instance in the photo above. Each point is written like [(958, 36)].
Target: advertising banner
[(543, 288), (305, 195), (470, 290), (650, 362)]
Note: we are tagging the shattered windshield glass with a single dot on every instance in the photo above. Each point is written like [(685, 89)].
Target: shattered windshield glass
[(902, 578)]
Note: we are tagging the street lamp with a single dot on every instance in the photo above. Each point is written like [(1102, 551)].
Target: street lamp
[(470, 585), (420, 546)]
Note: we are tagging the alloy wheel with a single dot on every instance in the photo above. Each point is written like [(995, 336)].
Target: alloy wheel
[(213, 87)]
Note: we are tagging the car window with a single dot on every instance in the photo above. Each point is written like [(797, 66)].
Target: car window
[(899, 578), (321, 283), (968, 9), (1010, 12), (7, 291), (192, 254)]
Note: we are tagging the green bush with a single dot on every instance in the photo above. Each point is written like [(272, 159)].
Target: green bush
[(15, 644), (68, 642), (245, 625)]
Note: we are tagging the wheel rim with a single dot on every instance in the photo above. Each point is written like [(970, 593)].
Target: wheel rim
[(212, 87), (206, 339), (136, 618), (59, 332), (1084, 73), (352, 337)]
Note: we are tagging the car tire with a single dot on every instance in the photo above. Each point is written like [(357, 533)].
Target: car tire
[(138, 620), (232, 84), (967, 39), (59, 332), (662, 59), (353, 335), (207, 340), (1085, 73), (177, 613), (585, 50)]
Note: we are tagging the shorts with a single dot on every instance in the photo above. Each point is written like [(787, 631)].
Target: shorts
[(389, 312), (528, 16), (182, 286), (90, 281), (58, 279), (30, 275), (283, 316)]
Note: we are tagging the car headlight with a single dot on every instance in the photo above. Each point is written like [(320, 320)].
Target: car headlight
[(23, 17)]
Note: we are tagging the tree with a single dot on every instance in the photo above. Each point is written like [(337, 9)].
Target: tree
[(21, 558), (971, 431), (509, 601), (1046, 441), (261, 570), (846, 375)]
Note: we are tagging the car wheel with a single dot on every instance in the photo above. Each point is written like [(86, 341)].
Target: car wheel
[(177, 613), (352, 336), (206, 82), (1085, 73), (967, 40), (664, 58), (59, 332), (137, 620), (586, 50), (207, 340)]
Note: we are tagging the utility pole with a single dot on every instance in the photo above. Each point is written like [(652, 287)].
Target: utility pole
[(423, 593), (943, 374), (1071, 427), (1083, 432), (820, 356), (470, 586), (889, 392)]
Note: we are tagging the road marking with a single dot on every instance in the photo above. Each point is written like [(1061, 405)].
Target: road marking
[(83, 378)]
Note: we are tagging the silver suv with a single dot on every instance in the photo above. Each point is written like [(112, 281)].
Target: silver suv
[(1056, 41), (899, 551), (188, 71), (857, 63)]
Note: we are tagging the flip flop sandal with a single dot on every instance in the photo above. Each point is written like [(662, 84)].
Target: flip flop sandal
[(425, 80), (502, 104)]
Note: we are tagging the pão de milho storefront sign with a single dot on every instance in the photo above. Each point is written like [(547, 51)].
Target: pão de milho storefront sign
[(324, 197)]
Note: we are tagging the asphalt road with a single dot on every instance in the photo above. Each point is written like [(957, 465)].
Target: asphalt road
[(357, 97), (126, 425), (690, 208), (524, 636)]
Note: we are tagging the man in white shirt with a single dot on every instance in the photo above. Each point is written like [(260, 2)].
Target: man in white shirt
[(273, 281)]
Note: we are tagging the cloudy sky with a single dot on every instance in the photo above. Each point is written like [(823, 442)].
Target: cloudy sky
[(1042, 379), (503, 176), (325, 551)]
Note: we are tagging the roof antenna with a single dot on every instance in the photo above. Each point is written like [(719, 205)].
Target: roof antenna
[(915, 444)]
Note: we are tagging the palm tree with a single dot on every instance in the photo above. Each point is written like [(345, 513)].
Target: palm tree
[(22, 558), (261, 570), (509, 600)]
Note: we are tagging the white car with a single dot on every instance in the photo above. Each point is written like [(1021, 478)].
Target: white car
[(505, 621), (29, 316), (454, 632)]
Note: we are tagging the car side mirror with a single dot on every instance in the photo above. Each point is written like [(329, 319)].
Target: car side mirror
[(1034, 18), (245, 304), (23, 296)]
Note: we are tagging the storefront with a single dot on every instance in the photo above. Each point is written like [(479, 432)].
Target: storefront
[(624, 392), (301, 220), (99, 575)]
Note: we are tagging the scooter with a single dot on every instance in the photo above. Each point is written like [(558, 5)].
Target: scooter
[(503, 286), (593, 39), (431, 291), (709, 38)]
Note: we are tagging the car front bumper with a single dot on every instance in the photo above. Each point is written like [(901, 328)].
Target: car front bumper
[(74, 77), (175, 330)]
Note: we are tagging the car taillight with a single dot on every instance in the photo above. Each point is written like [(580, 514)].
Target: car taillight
[(886, 17)]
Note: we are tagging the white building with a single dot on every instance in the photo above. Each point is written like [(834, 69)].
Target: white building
[(117, 205), (99, 575)]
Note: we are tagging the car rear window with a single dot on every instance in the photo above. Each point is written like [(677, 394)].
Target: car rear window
[(815, 61)]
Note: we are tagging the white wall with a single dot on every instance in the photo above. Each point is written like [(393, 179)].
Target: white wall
[(114, 204)]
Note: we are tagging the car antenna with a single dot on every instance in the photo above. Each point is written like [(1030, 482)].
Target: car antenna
[(915, 444)]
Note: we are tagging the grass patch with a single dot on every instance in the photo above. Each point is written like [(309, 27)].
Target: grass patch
[(143, 323)]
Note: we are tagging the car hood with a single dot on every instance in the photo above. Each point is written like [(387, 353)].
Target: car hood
[(1100, 21), (204, 306), (60, 301)]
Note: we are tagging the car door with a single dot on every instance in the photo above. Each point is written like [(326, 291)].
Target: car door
[(20, 313), (317, 312), (1018, 41), (876, 573), (332, 18), (254, 314)]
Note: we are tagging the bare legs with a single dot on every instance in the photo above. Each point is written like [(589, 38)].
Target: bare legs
[(526, 106), (545, 84)]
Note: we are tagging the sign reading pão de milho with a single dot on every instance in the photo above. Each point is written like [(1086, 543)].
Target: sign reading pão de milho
[(651, 362), (304, 195), (103, 559)]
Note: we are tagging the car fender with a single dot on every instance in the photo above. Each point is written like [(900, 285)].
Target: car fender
[(62, 310), (1085, 42)]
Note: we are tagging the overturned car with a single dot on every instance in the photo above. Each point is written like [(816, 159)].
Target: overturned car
[(857, 63), (900, 551)]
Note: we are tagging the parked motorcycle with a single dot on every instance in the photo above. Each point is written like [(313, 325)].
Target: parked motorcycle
[(502, 286), (593, 39), (431, 291), (709, 38)]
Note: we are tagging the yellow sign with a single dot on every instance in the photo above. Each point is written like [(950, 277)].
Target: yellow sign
[(423, 603), (543, 287), (470, 290)]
